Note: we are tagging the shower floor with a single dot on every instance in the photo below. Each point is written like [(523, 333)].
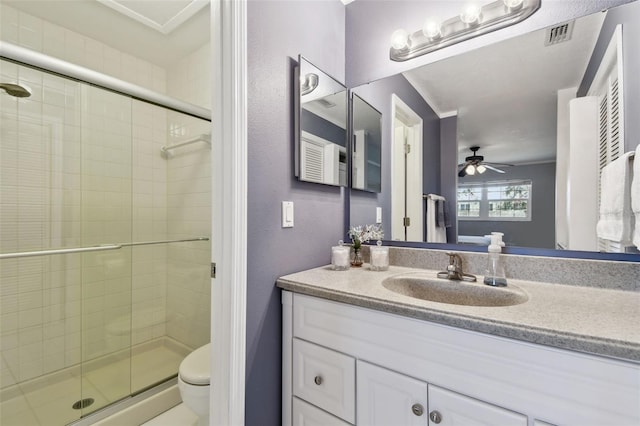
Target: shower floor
[(48, 401)]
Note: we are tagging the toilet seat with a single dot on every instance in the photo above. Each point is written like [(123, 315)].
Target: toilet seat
[(195, 368)]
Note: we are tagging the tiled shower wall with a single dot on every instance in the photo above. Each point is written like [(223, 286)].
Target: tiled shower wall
[(41, 207), (52, 205)]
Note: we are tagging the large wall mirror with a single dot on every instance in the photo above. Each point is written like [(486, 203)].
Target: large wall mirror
[(490, 140), (321, 136)]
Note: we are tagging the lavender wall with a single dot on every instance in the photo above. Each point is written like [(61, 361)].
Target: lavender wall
[(378, 94), (629, 17), (449, 170), (370, 24), (277, 32)]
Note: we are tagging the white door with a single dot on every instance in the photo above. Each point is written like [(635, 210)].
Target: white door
[(384, 397), (415, 206), (448, 408), (406, 175), (359, 159)]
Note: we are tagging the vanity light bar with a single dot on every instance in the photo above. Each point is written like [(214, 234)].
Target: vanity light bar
[(472, 21)]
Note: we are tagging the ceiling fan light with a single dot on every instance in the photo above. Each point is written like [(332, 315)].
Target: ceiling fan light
[(470, 169), (481, 169)]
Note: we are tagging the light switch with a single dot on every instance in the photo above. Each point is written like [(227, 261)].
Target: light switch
[(287, 214), (378, 214)]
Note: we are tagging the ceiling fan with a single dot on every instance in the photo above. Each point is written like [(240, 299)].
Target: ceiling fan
[(475, 163)]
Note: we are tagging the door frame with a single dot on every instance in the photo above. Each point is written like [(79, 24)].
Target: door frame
[(229, 214)]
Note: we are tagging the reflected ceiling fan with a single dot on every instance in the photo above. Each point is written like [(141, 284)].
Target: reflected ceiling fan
[(475, 164)]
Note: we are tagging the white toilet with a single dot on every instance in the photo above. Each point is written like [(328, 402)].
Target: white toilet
[(194, 376)]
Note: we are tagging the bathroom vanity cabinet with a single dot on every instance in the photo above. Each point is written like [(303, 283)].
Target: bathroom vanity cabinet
[(346, 364)]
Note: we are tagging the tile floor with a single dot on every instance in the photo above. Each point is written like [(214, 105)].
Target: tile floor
[(180, 415), (48, 401)]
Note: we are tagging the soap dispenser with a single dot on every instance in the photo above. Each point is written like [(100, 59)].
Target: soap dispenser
[(494, 274)]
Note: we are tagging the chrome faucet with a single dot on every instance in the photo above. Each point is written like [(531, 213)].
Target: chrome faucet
[(454, 269)]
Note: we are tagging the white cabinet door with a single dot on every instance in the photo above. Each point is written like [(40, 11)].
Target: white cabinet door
[(387, 398), (448, 408), (305, 414)]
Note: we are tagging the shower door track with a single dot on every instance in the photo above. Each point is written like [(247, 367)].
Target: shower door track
[(102, 247), (66, 69)]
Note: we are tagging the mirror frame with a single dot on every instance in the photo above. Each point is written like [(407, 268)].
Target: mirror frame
[(515, 250)]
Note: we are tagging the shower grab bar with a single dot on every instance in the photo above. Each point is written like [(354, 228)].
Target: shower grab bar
[(204, 138), (93, 248)]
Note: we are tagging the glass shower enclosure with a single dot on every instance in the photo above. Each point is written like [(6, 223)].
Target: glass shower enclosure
[(105, 220)]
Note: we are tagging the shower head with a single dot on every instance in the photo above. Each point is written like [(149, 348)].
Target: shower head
[(15, 90)]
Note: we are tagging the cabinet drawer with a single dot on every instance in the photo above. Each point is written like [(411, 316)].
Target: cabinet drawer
[(305, 414), (324, 378)]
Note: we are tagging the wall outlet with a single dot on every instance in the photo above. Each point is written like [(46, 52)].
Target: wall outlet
[(378, 214)]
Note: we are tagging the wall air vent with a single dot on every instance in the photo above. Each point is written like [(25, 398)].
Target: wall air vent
[(558, 34)]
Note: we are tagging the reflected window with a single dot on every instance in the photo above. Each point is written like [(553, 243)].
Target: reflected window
[(495, 201)]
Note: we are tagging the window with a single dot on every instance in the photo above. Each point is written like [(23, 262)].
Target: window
[(501, 200)]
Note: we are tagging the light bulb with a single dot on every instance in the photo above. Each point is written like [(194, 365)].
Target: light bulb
[(513, 4), (400, 39), (471, 14), (432, 29), (471, 170), (481, 169)]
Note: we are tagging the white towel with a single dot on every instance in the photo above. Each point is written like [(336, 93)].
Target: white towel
[(635, 197), (435, 234), (615, 201)]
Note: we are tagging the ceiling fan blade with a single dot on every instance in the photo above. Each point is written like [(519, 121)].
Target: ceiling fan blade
[(493, 168), (463, 171), (491, 163)]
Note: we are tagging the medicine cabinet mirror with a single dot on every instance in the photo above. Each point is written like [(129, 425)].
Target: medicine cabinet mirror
[(511, 99), (366, 146), (321, 133)]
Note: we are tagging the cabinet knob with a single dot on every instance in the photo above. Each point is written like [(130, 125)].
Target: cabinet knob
[(435, 416), (317, 380), (417, 409)]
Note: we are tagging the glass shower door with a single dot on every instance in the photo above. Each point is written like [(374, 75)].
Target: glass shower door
[(106, 218), (65, 182)]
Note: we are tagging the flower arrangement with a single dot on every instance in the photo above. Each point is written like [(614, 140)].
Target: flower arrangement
[(364, 233)]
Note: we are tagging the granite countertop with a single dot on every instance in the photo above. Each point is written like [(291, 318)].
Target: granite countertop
[(585, 319)]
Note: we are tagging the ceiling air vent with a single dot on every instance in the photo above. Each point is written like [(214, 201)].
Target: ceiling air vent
[(559, 33), (325, 103)]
